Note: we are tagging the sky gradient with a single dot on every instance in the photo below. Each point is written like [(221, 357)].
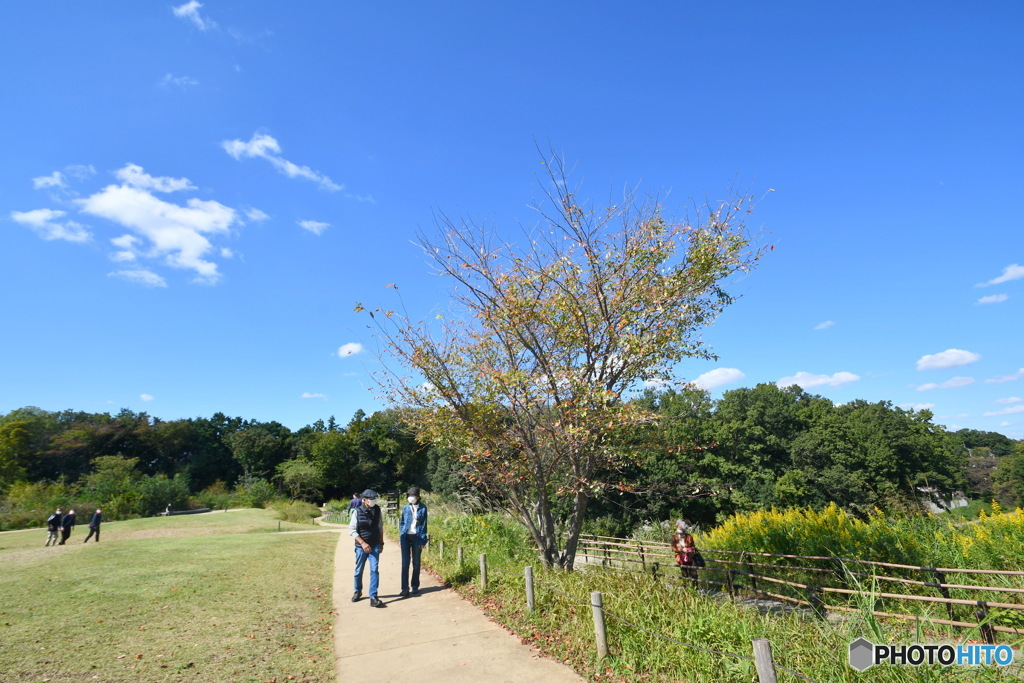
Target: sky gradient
[(194, 196)]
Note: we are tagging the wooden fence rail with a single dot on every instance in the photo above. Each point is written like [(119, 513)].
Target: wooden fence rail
[(737, 566)]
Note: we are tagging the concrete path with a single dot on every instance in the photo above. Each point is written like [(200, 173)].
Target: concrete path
[(435, 636)]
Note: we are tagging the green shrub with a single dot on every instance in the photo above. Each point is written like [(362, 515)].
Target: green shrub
[(255, 494), (216, 496), (296, 511)]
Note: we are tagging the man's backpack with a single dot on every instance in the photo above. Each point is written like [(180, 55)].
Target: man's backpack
[(53, 520)]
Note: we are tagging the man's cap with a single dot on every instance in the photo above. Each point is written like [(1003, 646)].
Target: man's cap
[(413, 491), (369, 493)]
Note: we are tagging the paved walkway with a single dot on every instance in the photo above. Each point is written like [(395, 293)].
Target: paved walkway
[(435, 636)]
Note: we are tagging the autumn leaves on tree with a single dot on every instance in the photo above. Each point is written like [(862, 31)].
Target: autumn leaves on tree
[(525, 376)]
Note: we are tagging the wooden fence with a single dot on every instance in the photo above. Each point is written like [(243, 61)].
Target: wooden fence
[(773, 576)]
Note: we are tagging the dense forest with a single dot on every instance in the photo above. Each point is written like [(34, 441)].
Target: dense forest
[(754, 448)]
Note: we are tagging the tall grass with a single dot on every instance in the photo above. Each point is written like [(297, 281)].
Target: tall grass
[(656, 620)]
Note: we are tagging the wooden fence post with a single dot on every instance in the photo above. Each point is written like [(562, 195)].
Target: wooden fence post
[(597, 605), (607, 560), (940, 579), (440, 549), (461, 556), (483, 572), (730, 582), (529, 589), (750, 572), (640, 550), (763, 660), (986, 629)]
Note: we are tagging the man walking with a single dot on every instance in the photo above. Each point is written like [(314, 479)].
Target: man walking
[(413, 536), (94, 526), (53, 526), (367, 528), (66, 525)]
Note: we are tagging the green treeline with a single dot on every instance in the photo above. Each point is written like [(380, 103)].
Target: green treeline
[(753, 449)]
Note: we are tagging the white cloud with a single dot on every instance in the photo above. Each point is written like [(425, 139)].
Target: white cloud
[(265, 147), (177, 233), (315, 227), (350, 349), (132, 174), (917, 406), (1005, 423), (80, 171), (143, 277), (178, 81), (824, 326), (307, 394), (44, 222), (718, 377), (1012, 410), (1006, 378), (954, 383), (808, 380), (55, 179), (950, 358), (1010, 272), (255, 215), (190, 11), (146, 397), (226, 253), (994, 299), (1011, 399)]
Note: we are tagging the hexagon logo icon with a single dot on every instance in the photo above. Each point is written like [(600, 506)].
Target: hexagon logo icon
[(861, 654)]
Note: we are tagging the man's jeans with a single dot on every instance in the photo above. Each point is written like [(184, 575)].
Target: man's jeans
[(411, 550), (361, 557)]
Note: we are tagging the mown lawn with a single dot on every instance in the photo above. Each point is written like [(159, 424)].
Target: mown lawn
[(212, 597)]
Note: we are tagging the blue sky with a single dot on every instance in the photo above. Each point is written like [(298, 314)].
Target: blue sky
[(194, 196)]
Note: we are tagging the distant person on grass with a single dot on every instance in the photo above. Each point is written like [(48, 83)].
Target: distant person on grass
[(66, 525), (94, 526), (53, 526), (367, 528), (413, 536)]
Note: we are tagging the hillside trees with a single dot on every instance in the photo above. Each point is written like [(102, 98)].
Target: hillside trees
[(526, 379)]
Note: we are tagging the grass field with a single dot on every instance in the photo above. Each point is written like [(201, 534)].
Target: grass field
[(211, 597)]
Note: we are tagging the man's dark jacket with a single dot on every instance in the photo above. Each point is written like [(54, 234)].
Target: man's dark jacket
[(368, 524)]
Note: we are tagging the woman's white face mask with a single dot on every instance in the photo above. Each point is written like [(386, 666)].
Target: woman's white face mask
[(413, 500), (370, 502)]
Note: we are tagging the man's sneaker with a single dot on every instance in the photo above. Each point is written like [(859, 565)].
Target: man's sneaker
[(415, 591), (404, 594), (375, 602), (356, 596)]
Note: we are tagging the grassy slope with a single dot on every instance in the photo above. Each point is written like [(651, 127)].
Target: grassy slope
[(220, 596)]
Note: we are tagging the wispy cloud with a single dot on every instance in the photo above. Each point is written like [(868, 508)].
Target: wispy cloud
[(307, 394), (141, 276), (1012, 410), (315, 227), (263, 146), (349, 349), (1009, 399), (256, 215), (55, 179), (1010, 272), (917, 406), (719, 377), (950, 358), (80, 171), (808, 380), (46, 224), (994, 299), (1006, 378), (190, 12), (954, 383), (177, 234), (183, 82), (146, 397), (824, 326)]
